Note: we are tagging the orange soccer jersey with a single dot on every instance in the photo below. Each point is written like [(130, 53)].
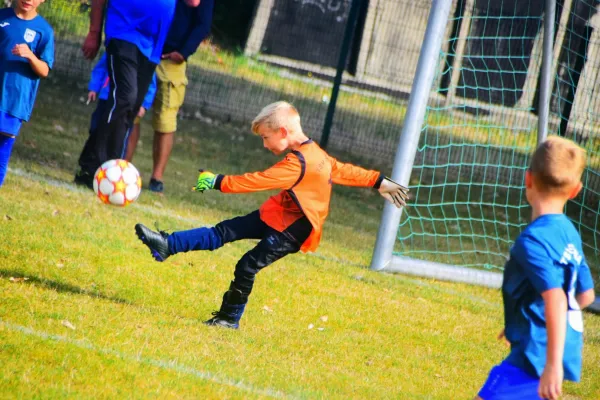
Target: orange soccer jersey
[(306, 176)]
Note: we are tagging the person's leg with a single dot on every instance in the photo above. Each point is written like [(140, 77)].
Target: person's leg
[(211, 238), (163, 245), (87, 158), (6, 145), (9, 129), (161, 151), (117, 144), (122, 60), (172, 82), (132, 141), (274, 246)]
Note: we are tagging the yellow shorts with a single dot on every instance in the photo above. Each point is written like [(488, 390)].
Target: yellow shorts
[(170, 92)]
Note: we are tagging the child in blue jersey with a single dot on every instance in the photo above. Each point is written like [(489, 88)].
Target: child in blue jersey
[(547, 283), (26, 55), (98, 90)]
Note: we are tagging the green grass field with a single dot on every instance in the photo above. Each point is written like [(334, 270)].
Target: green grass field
[(85, 312)]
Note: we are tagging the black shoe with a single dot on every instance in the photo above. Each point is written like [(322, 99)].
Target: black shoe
[(156, 186), (156, 241), (219, 320), (83, 178)]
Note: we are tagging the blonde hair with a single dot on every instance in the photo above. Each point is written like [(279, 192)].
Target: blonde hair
[(277, 115), (557, 165)]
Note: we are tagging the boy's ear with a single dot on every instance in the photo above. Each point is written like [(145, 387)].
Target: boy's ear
[(283, 131), (528, 179), (575, 190)]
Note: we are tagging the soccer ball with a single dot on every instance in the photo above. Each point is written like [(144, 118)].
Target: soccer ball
[(117, 182)]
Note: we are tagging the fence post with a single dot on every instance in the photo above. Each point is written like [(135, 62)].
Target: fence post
[(459, 53), (341, 66), (411, 131), (259, 27), (546, 80)]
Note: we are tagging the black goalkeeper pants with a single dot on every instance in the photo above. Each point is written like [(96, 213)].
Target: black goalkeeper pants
[(130, 74), (273, 245)]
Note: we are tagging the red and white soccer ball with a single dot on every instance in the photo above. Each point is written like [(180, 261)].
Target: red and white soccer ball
[(117, 182)]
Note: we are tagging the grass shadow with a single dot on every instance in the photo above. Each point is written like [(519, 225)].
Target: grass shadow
[(59, 287)]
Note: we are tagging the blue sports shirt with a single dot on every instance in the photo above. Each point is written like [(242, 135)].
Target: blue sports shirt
[(99, 83), (18, 82), (189, 28), (138, 22), (546, 255)]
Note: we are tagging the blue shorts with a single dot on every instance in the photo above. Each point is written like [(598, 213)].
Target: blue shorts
[(9, 124), (507, 382)]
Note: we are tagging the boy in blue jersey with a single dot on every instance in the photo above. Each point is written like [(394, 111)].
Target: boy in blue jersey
[(135, 32), (26, 55), (98, 90), (547, 283)]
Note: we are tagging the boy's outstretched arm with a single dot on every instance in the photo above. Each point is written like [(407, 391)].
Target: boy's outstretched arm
[(352, 175), (282, 175), (555, 310), (38, 66)]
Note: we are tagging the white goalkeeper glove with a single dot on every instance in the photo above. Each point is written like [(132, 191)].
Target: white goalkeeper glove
[(393, 192)]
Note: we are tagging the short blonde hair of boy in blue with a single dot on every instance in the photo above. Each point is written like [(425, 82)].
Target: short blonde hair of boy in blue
[(556, 169), (554, 177)]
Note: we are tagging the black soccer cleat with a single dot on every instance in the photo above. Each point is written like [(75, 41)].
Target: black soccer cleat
[(156, 186), (156, 242), (220, 320), (83, 178)]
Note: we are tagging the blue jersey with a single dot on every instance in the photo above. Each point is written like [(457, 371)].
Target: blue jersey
[(547, 255), (137, 22), (189, 28), (100, 84), (18, 82)]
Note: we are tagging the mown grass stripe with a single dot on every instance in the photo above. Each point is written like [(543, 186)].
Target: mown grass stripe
[(163, 364)]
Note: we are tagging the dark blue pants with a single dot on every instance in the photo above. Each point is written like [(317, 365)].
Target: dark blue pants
[(130, 74), (88, 155), (272, 246)]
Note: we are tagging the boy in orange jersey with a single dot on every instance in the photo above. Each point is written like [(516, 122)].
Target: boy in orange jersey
[(287, 222)]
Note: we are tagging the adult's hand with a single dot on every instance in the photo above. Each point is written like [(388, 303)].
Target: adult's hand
[(174, 56), (91, 45)]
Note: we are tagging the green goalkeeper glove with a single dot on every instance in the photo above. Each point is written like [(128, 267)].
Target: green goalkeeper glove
[(393, 192), (206, 181)]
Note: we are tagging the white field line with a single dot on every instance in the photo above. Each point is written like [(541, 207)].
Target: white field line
[(170, 365)]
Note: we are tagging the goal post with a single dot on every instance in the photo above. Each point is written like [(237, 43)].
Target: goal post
[(462, 241), (409, 140)]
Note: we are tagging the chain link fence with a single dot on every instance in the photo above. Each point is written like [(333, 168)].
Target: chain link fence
[(485, 94)]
